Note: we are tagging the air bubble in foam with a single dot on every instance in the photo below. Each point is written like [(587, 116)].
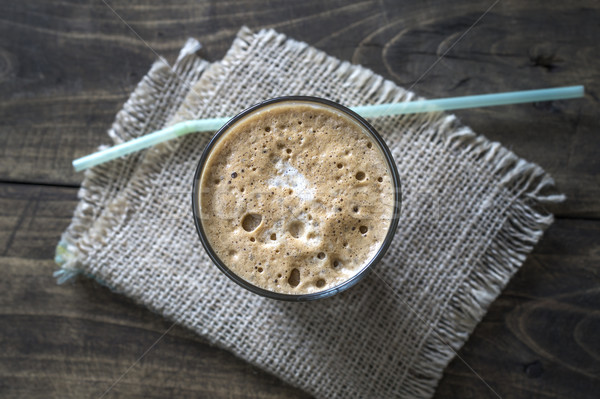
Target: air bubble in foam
[(294, 278), (251, 221), (296, 229)]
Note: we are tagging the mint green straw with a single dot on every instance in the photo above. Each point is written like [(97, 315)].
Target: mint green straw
[(366, 111)]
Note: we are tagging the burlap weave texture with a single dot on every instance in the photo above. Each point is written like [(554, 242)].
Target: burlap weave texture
[(471, 213)]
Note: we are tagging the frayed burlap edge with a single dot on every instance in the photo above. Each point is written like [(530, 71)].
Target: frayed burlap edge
[(505, 254), (153, 102)]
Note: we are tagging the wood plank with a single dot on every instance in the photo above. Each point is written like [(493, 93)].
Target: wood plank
[(538, 339), (32, 218), (67, 66)]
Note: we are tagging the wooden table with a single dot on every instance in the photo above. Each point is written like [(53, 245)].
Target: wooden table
[(67, 66)]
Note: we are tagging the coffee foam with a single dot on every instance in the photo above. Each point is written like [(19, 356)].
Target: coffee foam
[(288, 176), (296, 198)]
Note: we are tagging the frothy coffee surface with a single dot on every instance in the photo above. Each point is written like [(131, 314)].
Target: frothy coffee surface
[(296, 198)]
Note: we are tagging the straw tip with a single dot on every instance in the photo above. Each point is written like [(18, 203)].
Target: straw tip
[(77, 165)]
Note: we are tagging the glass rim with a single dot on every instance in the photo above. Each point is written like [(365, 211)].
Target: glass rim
[(329, 291)]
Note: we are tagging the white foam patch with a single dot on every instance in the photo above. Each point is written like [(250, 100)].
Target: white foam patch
[(290, 177)]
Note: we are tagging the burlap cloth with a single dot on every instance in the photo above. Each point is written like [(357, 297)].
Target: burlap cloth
[(471, 213)]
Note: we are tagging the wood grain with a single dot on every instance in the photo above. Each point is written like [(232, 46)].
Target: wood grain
[(67, 66), (539, 338)]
